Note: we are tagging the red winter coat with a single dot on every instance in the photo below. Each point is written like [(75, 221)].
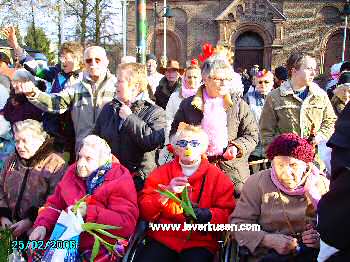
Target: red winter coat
[(217, 195), (116, 203)]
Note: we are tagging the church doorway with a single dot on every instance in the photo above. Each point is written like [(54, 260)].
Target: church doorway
[(173, 45), (334, 49), (249, 51)]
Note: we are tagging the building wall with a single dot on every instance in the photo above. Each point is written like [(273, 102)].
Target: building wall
[(304, 27)]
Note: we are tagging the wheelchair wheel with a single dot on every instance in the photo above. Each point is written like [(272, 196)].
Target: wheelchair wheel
[(136, 242), (229, 252)]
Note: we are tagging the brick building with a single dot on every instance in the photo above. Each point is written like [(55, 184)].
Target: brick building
[(260, 32)]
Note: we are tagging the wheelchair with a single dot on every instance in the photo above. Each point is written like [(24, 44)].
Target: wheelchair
[(228, 248)]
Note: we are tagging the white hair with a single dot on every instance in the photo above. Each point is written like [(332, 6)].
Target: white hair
[(236, 86), (32, 125), (215, 63), (98, 48), (23, 76), (99, 144)]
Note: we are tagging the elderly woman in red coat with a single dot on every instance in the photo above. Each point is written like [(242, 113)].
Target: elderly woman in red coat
[(211, 193), (99, 174)]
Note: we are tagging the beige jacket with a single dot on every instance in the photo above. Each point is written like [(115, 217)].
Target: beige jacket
[(85, 100), (260, 203), (285, 112)]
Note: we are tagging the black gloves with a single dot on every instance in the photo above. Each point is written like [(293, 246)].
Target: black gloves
[(203, 215)]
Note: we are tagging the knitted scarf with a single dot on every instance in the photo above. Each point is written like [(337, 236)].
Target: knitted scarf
[(97, 177), (300, 189), (214, 123)]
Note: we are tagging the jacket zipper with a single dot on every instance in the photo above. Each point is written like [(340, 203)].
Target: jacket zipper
[(302, 126)]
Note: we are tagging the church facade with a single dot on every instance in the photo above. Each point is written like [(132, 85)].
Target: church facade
[(262, 32)]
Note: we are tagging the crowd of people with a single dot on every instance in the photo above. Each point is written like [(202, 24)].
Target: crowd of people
[(247, 149)]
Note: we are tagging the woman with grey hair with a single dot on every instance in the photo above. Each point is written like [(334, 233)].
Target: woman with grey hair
[(226, 118), (112, 197), (28, 178)]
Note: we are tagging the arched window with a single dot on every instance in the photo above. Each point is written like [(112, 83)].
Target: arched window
[(330, 15), (334, 49)]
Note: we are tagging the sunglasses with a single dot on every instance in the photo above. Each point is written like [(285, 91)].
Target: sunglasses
[(184, 143), (89, 60), (266, 82)]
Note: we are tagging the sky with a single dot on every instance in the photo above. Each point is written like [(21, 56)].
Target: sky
[(45, 20)]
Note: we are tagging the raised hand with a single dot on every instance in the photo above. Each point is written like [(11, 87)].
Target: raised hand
[(10, 34), (177, 184)]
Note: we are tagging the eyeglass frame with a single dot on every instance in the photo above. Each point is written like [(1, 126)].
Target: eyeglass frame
[(193, 143), (96, 59), (216, 80)]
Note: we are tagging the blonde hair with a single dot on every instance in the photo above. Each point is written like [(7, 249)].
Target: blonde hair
[(192, 67), (76, 49), (138, 74), (34, 126), (197, 130)]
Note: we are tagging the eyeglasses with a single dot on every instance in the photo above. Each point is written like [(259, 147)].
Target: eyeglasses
[(89, 60), (266, 82), (184, 143), (220, 80)]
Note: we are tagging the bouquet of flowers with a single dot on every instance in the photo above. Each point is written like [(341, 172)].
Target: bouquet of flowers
[(70, 225)]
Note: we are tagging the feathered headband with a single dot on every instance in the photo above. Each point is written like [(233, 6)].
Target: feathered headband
[(208, 51)]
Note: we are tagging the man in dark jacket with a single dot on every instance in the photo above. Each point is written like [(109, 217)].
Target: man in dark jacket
[(169, 83), (333, 208), (132, 127)]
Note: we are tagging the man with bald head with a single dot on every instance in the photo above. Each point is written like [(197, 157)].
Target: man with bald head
[(85, 99)]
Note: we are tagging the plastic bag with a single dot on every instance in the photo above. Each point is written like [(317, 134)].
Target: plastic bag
[(67, 228), (325, 154)]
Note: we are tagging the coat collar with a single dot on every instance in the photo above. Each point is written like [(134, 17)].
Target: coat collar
[(45, 149), (286, 89), (200, 172), (111, 175)]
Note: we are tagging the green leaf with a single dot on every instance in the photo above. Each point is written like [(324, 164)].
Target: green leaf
[(94, 226), (95, 249), (107, 234), (104, 242), (77, 204), (186, 204), (170, 195)]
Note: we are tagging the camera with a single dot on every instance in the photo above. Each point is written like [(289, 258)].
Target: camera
[(116, 105)]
